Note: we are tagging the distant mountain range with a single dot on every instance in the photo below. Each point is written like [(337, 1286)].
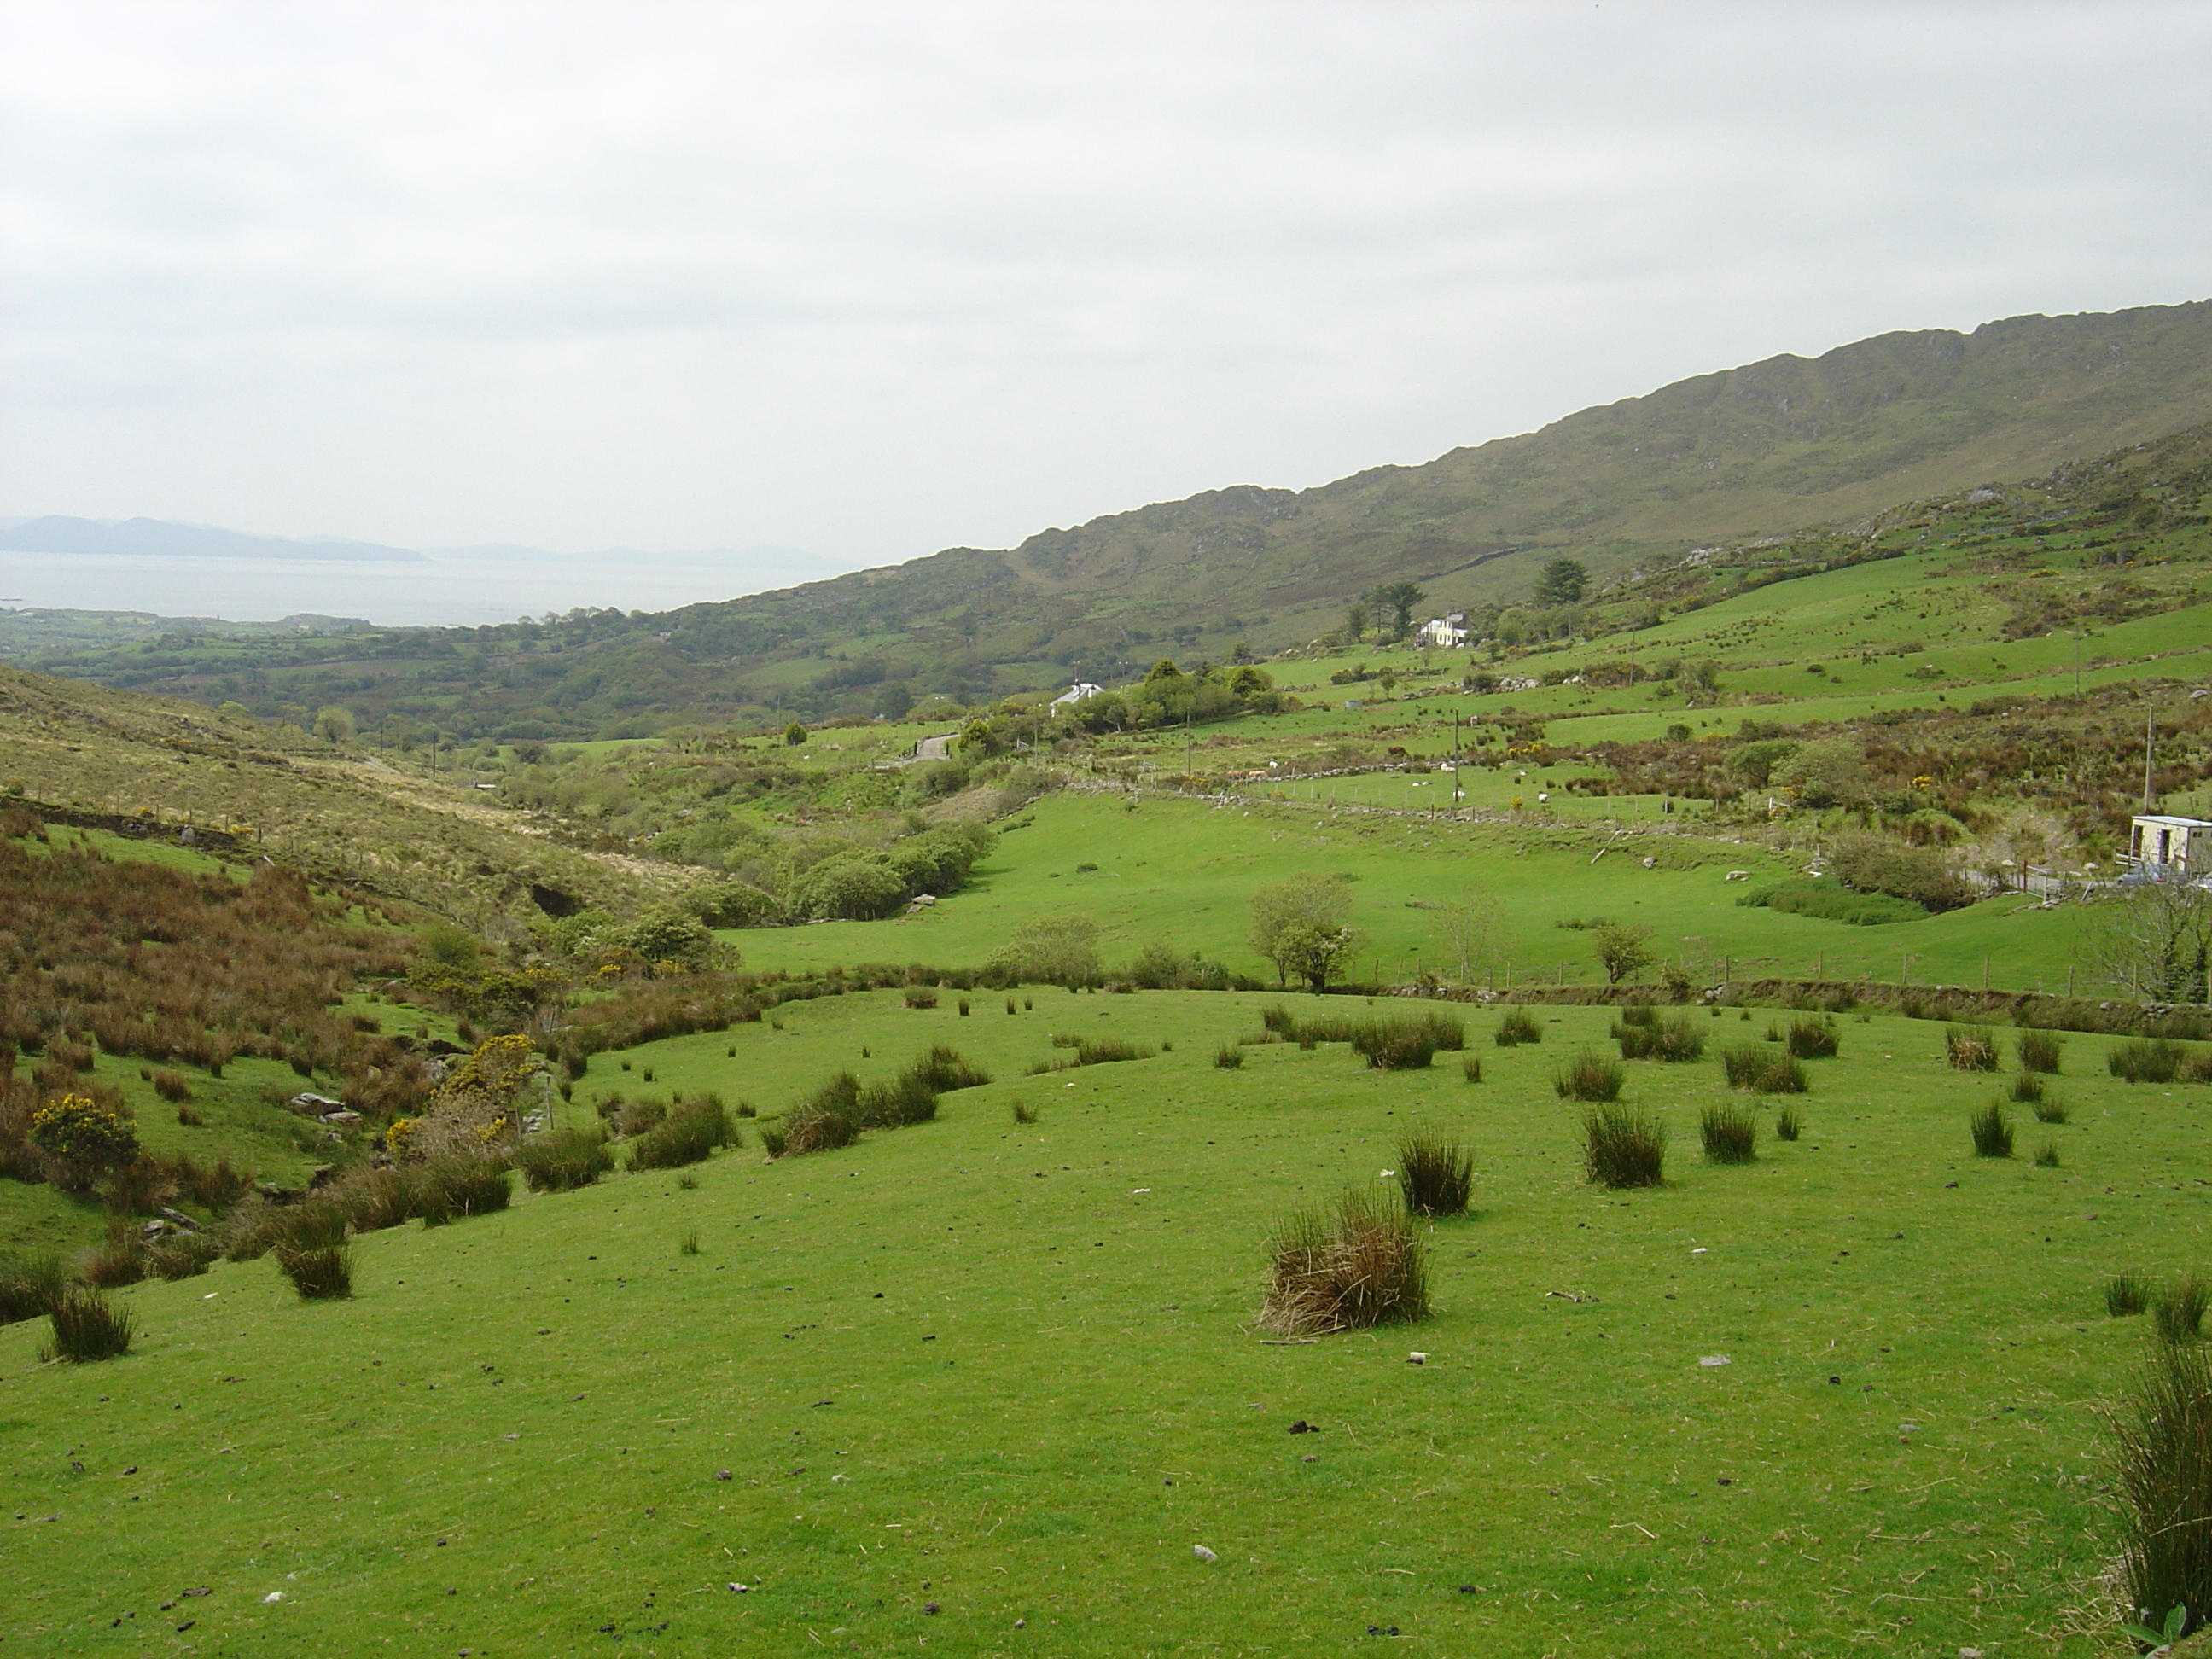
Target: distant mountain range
[(161, 538)]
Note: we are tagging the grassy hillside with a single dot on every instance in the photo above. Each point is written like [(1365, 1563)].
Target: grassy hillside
[(159, 767), (983, 1386), (1752, 451)]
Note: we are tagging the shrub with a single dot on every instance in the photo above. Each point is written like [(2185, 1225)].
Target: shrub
[(1730, 1134), (688, 1135), (2046, 1156), (171, 1087), (1650, 1038), (1354, 1268), (1970, 1049), (2039, 1050), (1436, 1176), (1623, 1146), (1992, 1133), (1788, 1126), (1876, 864), (87, 1328), (1471, 1068), (1813, 1039), (2028, 1086), (118, 1262), (2146, 1060), (921, 996), (2127, 1293), (2177, 1311), (1589, 1076), (1748, 1065), (319, 1273), (28, 1286), (451, 1188), (1229, 1057), (2164, 1430), (1519, 1026), (564, 1160)]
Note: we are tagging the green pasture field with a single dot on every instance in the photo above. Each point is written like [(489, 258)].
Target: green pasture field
[(1186, 870), (979, 1387)]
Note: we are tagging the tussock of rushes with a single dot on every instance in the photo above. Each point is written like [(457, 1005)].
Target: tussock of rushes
[(1024, 1113), (1674, 1041), (2051, 1109), (1970, 1049), (1751, 1066), (2176, 1313), (564, 1160), (376, 1198), (28, 1286), (688, 1135), (2164, 1430), (2046, 1156), (86, 1328), (1229, 1057), (1519, 1026), (184, 1257), (1730, 1134), (688, 1244), (1992, 1133), (1814, 1039), (2028, 1086), (1623, 1146), (2127, 1293), (110, 1265), (1589, 1076), (1437, 1178), (454, 1189), (319, 1273), (1354, 1268), (920, 997), (1788, 1126), (1471, 1068), (2039, 1050), (2146, 1060)]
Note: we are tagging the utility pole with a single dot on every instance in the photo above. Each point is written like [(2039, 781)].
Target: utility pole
[(2148, 732)]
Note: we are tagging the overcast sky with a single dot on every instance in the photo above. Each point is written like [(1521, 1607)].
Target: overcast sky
[(872, 280)]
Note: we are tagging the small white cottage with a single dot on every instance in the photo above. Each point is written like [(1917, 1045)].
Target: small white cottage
[(2160, 845), (1075, 693)]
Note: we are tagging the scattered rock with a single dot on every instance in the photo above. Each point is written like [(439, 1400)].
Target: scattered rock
[(1204, 1554), (1303, 1427), (1711, 1360), (1416, 1357)]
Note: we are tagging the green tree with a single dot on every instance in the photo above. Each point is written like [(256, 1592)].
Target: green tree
[(334, 725), (1561, 581), (1399, 599), (1623, 949), (445, 945), (1061, 950), (1356, 618), (1302, 925), (794, 734), (1474, 924), (854, 888)]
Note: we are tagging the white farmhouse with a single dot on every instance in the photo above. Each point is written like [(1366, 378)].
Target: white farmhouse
[(1446, 633), (1075, 693)]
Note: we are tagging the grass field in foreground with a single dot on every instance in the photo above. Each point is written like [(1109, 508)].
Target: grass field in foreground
[(1005, 1372)]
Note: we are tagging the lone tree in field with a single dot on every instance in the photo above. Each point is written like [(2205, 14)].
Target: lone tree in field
[(1622, 950), (1302, 927), (1561, 582), (1399, 599), (1472, 925), (1059, 950), (1356, 618)]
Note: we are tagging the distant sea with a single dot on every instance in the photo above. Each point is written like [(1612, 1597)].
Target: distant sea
[(467, 588)]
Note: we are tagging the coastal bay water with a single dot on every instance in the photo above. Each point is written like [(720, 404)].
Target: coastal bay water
[(468, 588)]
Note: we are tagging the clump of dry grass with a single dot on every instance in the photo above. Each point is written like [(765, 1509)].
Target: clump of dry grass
[(1352, 1268), (1436, 1176)]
